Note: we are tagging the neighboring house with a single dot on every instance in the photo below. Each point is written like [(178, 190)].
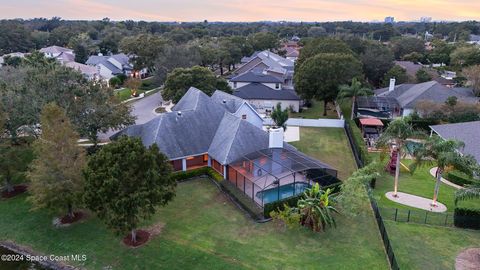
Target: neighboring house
[(466, 132), (474, 39), (251, 77), (264, 98), (113, 65), (88, 71), (410, 67), (264, 91), (401, 100), (61, 54), (202, 131), (15, 54), (272, 64)]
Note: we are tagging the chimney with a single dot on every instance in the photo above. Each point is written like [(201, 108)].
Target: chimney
[(275, 137), (391, 87)]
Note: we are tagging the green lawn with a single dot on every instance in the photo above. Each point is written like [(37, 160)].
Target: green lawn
[(429, 247), (316, 111), (420, 183), (329, 145), (126, 93), (203, 230)]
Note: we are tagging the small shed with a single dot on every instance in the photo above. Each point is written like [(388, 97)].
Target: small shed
[(371, 130)]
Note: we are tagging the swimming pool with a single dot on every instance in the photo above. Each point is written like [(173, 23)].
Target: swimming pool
[(271, 195)]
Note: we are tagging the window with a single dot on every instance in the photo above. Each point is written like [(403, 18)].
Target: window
[(277, 86), (244, 116)]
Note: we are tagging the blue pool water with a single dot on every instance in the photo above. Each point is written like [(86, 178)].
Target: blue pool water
[(271, 195)]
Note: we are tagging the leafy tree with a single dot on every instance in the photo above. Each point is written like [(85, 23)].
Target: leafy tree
[(442, 153), (406, 45), (91, 106), (317, 31), (451, 101), (145, 49), (322, 45), (133, 84), (422, 75), (354, 90), (81, 53), (114, 82), (263, 41), (465, 56), (319, 76), (397, 132), (10, 164), (353, 197), (440, 53), (14, 37), (397, 72), (473, 75), (56, 173), (172, 57), (377, 60), (280, 116), (125, 182), (13, 61), (181, 79)]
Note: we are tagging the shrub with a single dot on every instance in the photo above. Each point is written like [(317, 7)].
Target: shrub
[(458, 178), (280, 205), (466, 218), (114, 82), (204, 171)]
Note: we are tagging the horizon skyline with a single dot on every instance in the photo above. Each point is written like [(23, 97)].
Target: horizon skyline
[(243, 11)]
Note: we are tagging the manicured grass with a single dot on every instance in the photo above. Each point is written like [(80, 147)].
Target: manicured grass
[(429, 247), (203, 230), (420, 183), (126, 93), (316, 111), (329, 145)]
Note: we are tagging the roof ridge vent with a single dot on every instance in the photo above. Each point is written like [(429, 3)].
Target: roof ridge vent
[(179, 113), (224, 101)]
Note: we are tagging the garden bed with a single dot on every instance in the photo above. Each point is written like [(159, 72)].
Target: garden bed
[(17, 190)]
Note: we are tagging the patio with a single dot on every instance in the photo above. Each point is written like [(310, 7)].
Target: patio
[(278, 174)]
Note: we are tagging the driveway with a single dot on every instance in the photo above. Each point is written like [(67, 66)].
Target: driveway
[(143, 109)]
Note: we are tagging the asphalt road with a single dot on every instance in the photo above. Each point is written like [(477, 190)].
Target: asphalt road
[(143, 109)]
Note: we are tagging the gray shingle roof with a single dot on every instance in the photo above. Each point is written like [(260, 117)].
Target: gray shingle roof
[(187, 131), (229, 102), (200, 125), (260, 91), (408, 95), (466, 132), (255, 77), (101, 59)]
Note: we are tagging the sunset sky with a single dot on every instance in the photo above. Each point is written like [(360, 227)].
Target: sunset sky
[(242, 10)]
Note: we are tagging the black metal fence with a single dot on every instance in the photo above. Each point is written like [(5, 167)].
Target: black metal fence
[(383, 233), (420, 217), (378, 217)]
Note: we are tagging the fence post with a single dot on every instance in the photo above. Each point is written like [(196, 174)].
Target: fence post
[(446, 217), (408, 217), (396, 213), (426, 215)]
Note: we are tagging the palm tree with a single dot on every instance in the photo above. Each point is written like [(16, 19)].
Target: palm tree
[(398, 131), (469, 192), (353, 91), (442, 153), (315, 209)]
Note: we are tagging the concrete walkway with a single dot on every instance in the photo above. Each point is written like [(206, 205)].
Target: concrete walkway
[(416, 201), (445, 181)]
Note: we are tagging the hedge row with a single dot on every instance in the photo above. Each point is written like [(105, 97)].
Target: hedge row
[(466, 218), (458, 178), (181, 175), (360, 145)]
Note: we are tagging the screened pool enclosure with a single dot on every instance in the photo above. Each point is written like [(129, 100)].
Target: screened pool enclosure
[(277, 173)]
